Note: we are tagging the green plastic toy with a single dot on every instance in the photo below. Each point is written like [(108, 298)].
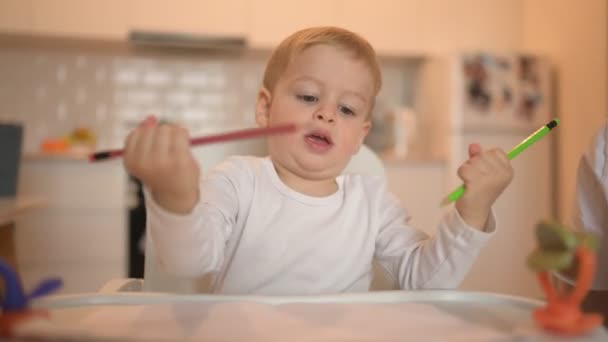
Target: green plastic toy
[(572, 254)]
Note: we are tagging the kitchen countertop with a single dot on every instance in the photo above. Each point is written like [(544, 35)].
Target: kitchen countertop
[(11, 207), (64, 156)]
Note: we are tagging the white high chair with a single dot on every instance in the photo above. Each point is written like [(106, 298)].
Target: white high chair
[(156, 280)]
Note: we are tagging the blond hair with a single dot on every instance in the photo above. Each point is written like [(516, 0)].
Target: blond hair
[(299, 41)]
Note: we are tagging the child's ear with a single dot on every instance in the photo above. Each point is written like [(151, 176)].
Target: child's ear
[(262, 107), (367, 125)]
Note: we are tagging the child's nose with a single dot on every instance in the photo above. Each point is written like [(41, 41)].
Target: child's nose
[(325, 115)]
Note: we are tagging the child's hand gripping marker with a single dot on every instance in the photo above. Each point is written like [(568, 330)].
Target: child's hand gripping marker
[(14, 303), (561, 250)]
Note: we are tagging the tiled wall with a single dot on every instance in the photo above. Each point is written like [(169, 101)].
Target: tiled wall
[(53, 90)]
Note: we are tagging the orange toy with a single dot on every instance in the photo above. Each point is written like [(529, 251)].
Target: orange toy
[(10, 320), (54, 146), (563, 250)]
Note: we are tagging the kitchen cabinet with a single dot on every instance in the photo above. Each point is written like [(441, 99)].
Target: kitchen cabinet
[(205, 17), (81, 233), (419, 186), (15, 16), (452, 26), (392, 26), (94, 19), (273, 20), (396, 27), (113, 19)]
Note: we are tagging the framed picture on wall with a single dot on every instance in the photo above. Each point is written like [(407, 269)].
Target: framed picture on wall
[(504, 91)]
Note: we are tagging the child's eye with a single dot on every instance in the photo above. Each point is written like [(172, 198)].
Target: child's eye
[(307, 98), (347, 111)]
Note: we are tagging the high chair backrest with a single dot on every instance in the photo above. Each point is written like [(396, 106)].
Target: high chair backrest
[(156, 280)]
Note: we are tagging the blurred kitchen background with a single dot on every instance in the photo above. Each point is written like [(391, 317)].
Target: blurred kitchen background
[(77, 75)]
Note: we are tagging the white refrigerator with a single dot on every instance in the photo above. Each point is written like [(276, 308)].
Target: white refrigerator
[(496, 101)]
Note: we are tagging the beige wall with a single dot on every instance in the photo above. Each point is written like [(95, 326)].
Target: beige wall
[(574, 35)]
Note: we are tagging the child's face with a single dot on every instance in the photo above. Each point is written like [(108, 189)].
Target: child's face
[(329, 95)]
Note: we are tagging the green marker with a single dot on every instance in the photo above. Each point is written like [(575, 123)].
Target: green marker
[(541, 132)]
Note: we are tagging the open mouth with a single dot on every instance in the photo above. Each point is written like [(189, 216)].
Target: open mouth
[(320, 138)]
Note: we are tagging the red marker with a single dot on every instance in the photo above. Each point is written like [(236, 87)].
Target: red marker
[(210, 139)]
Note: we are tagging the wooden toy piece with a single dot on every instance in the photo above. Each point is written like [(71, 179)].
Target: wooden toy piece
[(561, 250), (14, 304)]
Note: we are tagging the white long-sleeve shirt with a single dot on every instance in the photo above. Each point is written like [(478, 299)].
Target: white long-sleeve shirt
[(258, 236), (591, 212)]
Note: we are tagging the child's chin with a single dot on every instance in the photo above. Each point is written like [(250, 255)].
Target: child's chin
[(325, 167)]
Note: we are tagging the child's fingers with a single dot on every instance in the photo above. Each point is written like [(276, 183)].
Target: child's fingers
[(130, 149), (502, 158), (149, 121), (489, 163), (161, 143), (469, 171), (181, 145), (135, 145), (474, 150), (499, 160), (490, 158), (145, 143), (481, 163)]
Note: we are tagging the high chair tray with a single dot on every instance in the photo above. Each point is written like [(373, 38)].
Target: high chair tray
[(373, 316)]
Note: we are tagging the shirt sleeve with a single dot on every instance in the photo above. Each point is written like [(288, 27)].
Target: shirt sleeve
[(193, 244), (419, 261), (591, 206)]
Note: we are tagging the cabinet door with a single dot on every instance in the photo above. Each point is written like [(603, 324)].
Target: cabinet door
[(75, 185), (391, 26), (64, 236), (274, 20), (226, 18), (420, 187), (95, 19), (77, 277), (15, 16)]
